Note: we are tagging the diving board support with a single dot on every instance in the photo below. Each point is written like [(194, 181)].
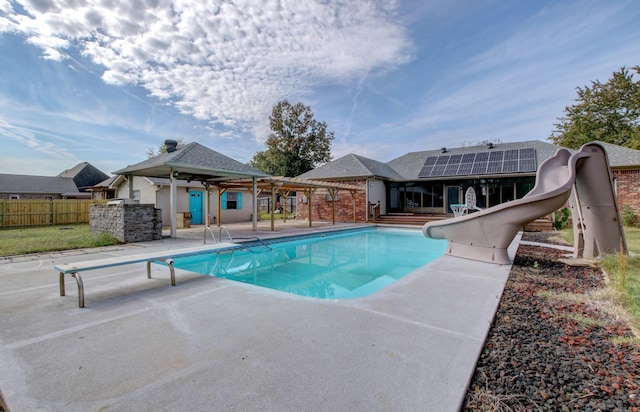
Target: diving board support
[(80, 283)]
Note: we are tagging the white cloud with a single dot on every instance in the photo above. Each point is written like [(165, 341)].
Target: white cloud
[(228, 61)]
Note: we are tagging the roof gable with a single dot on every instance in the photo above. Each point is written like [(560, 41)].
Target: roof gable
[(351, 166), (84, 174)]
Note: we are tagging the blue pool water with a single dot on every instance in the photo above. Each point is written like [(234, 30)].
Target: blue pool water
[(330, 266)]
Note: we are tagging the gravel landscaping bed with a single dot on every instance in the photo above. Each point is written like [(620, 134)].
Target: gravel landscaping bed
[(552, 346)]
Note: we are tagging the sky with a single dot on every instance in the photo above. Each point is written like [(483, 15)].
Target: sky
[(105, 81)]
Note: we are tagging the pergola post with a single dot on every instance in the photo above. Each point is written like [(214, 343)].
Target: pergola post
[(206, 203), (284, 206), (333, 192), (308, 192), (254, 190), (273, 207), (173, 200), (221, 190)]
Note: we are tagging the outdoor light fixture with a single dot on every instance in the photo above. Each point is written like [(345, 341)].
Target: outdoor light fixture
[(176, 174)]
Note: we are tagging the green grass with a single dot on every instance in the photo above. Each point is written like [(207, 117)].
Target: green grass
[(51, 238), (623, 272)]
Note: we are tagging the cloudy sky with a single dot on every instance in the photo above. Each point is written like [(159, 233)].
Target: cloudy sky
[(104, 81)]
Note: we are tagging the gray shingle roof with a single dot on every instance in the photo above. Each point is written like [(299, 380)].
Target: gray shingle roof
[(353, 166), (621, 157), (192, 158), (84, 174), (16, 184)]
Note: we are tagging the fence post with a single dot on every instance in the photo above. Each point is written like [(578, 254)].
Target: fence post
[(3, 216)]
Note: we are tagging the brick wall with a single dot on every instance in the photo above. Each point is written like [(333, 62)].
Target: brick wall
[(322, 209), (128, 222), (628, 189)]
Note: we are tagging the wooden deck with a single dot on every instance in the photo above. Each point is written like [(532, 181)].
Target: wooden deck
[(538, 225)]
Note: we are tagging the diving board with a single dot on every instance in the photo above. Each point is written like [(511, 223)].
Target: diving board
[(166, 256)]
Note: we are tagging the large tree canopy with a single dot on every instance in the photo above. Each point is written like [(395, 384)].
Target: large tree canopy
[(609, 112), (297, 142)]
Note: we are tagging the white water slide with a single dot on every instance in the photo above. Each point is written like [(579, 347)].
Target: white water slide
[(486, 235)]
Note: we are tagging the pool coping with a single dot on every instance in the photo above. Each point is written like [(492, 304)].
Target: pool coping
[(193, 346)]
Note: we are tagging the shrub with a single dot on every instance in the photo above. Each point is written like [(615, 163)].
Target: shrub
[(629, 218), (562, 217)]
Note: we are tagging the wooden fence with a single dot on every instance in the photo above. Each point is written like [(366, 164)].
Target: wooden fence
[(43, 212)]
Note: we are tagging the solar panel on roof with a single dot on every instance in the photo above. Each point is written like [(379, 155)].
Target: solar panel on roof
[(479, 163), (510, 166), (464, 169)]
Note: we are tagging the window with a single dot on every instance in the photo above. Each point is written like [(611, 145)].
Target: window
[(231, 200), (136, 197)]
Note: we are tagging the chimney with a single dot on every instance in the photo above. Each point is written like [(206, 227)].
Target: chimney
[(171, 145)]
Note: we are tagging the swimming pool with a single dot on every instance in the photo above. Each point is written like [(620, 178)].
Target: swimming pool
[(331, 265)]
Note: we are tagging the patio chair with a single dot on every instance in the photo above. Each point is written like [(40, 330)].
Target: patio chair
[(470, 200)]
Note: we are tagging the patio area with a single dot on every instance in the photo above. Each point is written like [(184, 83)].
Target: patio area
[(214, 344)]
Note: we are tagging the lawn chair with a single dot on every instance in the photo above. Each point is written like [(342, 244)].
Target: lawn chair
[(470, 200)]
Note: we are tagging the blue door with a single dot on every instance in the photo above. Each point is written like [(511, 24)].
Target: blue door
[(195, 206)]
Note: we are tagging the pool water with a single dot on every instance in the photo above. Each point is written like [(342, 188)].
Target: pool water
[(330, 266)]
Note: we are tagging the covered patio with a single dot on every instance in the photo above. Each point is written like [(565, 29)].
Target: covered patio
[(195, 162)]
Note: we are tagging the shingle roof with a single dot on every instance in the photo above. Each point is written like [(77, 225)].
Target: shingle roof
[(621, 157), (192, 158), (84, 174), (16, 184), (353, 166), (409, 165)]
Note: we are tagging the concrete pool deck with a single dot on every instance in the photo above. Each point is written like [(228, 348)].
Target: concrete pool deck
[(214, 344)]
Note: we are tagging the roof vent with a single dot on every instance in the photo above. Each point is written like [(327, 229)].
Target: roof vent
[(171, 145), (443, 149), (489, 145)]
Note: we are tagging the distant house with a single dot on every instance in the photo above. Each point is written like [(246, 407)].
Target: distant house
[(38, 187), (429, 182), (84, 175), (73, 183)]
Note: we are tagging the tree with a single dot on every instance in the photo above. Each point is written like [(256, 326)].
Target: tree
[(609, 112), (297, 142)]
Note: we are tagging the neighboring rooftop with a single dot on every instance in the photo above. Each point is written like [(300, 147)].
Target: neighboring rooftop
[(84, 175), (353, 166), (16, 184)]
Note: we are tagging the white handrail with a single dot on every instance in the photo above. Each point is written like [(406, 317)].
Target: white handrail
[(224, 228), (213, 236)]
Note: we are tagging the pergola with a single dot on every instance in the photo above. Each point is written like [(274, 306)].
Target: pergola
[(192, 162), (195, 162), (286, 185)]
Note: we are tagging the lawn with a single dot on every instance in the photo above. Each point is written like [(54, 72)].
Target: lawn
[(623, 272), (51, 238)]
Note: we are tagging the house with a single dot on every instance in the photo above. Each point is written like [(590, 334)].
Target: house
[(72, 183), (38, 187), (84, 175), (429, 182)]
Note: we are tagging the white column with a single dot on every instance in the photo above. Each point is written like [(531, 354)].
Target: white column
[(255, 204), (173, 200)]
